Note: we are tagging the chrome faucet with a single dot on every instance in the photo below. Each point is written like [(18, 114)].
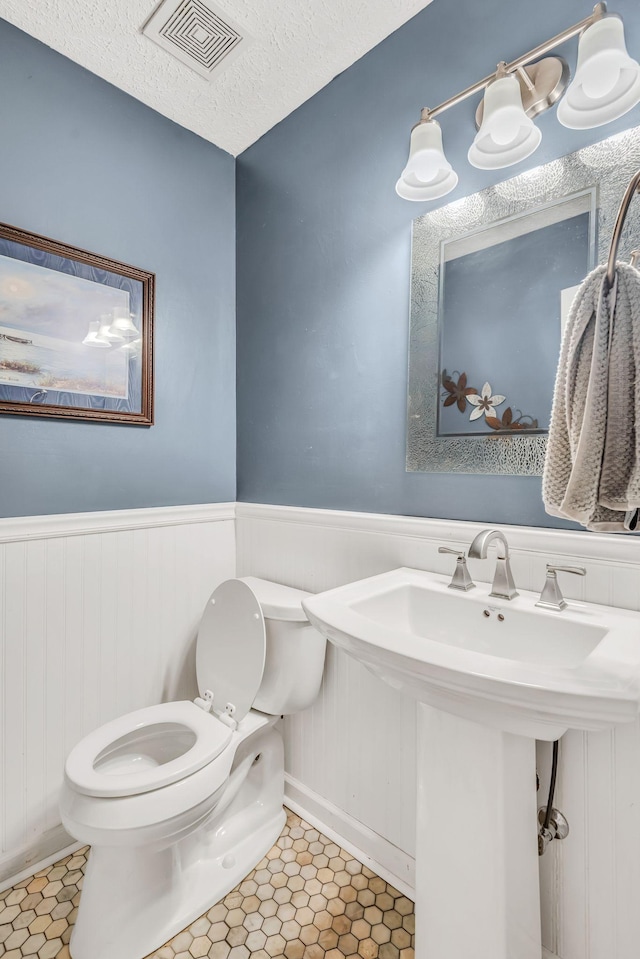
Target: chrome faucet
[(503, 585)]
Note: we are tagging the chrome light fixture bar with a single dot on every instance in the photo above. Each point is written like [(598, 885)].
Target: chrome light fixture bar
[(605, 87)]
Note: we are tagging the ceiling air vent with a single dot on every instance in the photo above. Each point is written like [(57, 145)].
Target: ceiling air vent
[(195, 33)]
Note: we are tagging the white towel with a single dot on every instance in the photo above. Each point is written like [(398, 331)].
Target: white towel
[(592, 466)]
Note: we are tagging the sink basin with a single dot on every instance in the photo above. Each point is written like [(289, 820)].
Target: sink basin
[(461, 623), (508, 664)]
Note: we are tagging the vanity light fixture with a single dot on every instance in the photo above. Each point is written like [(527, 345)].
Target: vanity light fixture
[(605, 87)]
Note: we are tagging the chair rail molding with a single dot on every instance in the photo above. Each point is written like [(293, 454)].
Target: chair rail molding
[(600, 546), (20, 528)]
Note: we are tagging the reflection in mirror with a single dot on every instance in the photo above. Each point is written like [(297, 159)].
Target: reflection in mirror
[(500, 315), (493, 277)]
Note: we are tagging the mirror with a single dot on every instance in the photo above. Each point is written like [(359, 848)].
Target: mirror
[(493, 277)]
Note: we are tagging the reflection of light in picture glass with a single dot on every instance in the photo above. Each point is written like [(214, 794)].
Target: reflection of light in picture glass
[(123, 325), (94, 339), (46, 326), (106, 330)]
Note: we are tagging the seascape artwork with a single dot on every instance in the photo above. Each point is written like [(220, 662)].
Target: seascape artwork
[(44, 318)]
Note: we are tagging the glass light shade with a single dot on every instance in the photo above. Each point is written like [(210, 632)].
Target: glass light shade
[(93, 337), (428, 174), (123, 326), (507, 134), (607, 80)]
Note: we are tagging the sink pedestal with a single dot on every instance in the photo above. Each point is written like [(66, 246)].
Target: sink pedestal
[(477, 889)]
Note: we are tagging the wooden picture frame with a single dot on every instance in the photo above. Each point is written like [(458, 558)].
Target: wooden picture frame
[(76, 332)]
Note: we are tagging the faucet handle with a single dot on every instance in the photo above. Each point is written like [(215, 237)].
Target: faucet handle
[(551, 597), (461, 577), (578, 570)]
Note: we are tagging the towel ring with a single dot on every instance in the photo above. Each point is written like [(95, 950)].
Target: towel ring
[(632, 189)]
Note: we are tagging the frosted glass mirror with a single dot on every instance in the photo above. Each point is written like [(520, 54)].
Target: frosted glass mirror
[(493, 276)]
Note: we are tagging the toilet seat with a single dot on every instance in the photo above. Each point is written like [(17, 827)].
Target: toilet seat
[(145, 750), (150, 748), (133, 820)]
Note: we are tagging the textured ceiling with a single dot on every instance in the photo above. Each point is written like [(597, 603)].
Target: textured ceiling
[(298, 47)]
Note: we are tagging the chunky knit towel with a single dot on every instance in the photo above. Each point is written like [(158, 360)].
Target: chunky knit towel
[(592, 467)]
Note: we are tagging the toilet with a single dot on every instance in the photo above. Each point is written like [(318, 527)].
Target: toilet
[(180, 801)]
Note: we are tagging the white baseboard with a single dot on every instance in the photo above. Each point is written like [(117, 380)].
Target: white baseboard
[(53, 845), (548, 955), (386, 860)]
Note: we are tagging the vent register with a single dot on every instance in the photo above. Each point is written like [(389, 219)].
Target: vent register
[(195, 33)]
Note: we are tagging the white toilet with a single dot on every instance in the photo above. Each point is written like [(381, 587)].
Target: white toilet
[(180, 801)]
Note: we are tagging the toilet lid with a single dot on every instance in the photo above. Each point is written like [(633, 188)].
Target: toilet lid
[(231, 646)]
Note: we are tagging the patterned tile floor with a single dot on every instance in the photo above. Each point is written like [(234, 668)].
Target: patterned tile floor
[(307, 899)]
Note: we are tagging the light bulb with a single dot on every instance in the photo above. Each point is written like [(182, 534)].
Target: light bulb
[(599, 82), (507, 135), (425, 165), (506, 127)]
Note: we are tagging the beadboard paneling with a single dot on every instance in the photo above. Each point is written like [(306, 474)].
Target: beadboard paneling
[(98, 616), (356, 745)]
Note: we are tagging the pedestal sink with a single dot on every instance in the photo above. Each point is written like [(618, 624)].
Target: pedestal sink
[(491, 676)]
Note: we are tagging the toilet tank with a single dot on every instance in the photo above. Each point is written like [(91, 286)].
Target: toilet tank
[(294, 657)]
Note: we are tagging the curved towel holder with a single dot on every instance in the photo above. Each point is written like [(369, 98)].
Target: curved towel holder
[(632, 189)]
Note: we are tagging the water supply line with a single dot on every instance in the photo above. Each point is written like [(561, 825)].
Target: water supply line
[(551, 823)]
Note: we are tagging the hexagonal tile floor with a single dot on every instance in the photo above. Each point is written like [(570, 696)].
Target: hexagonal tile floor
[(307, 899)]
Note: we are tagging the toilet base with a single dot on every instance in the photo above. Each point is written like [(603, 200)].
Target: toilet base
[(135, 899)]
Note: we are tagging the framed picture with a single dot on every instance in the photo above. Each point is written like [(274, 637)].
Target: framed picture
[(76, 332)]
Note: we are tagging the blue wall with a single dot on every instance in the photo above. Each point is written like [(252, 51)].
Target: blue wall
[(323, 267), (84, 163)]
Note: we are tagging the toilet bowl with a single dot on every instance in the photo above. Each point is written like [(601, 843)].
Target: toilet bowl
[(179, 801)]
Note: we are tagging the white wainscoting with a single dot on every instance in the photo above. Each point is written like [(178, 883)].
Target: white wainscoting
[(98, 616), (355, 749)]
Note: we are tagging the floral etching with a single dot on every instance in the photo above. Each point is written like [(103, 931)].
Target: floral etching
[(457, 392), (484, 403)]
